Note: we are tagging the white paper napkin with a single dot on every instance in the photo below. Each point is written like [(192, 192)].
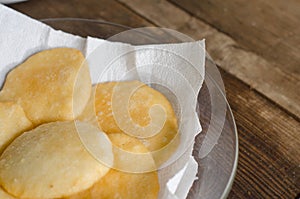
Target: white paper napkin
[(180, 67), (21, 36)]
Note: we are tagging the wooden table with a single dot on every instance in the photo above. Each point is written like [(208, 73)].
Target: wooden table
[(256, 45)]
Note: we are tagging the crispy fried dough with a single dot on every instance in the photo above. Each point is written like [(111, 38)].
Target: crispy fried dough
[(49, 162), (52, 85), (4, 195), (13, 122), (165, 142), (122, 185)]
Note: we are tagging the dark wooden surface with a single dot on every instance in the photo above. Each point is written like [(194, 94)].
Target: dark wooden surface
[(257, 47)]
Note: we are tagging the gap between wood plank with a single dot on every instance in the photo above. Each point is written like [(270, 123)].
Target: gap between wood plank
[(268, 28)]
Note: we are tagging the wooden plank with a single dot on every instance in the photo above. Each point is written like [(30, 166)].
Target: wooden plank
[(269, 145), (269, 149), (268, 28), (265, 77), (92, 9)]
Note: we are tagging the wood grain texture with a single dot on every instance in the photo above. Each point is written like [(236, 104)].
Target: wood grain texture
[(92, 9), (269, 162), (269, 28), (276, 84)]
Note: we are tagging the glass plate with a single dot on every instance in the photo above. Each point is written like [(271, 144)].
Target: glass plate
[(219, 138)]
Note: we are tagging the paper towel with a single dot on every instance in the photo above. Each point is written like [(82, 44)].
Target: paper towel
[(179, 67), (21, 36)]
